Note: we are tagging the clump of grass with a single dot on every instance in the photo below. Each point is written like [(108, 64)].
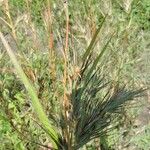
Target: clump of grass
[(86, 103)]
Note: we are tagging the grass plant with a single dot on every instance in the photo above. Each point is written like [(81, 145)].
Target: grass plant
[(67, 82)]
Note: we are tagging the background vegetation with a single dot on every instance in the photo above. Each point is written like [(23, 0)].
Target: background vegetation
[(59, 58)]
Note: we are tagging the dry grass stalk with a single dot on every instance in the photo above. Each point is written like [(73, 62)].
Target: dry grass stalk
[(10, 21)]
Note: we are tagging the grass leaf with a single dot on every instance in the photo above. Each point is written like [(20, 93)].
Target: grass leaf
[(32, 92)]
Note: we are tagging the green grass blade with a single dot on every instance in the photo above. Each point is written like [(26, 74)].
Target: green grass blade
[(94, 65), (90, 47), (32, 92)]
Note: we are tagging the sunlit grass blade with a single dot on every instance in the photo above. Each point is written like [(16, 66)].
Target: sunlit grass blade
[(32, 92)]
